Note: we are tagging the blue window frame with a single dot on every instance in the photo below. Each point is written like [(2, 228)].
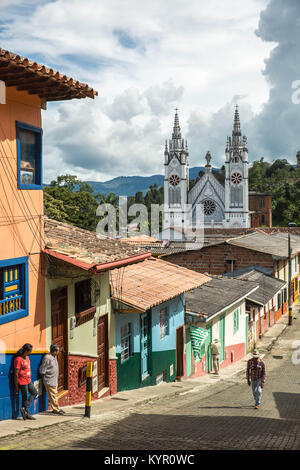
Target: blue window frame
[(13, 289), (29, 150)]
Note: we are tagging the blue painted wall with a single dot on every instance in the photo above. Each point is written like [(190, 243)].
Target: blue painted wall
[(162, 353), (175, 309), (10, 403)]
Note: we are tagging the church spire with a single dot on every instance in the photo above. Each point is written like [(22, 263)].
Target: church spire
[(236, 133), (176, 129)]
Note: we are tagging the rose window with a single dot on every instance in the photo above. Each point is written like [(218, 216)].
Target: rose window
[(236, 178), (174, 180), (209, 207)]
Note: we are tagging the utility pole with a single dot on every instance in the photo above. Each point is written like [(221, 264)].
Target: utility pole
[(291, 224)]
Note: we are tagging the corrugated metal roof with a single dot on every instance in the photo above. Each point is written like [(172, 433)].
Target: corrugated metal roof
[(218, 294), (269, 286), (275, 244), (152, 282)]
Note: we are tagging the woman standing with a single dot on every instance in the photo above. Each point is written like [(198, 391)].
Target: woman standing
[(23, 379)]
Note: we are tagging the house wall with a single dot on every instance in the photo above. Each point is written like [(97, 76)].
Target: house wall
[(234, 342), (212, 259), (21, 235), (162, 352), (83, 347)]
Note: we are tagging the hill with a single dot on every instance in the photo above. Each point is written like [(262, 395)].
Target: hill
[(129, 185)]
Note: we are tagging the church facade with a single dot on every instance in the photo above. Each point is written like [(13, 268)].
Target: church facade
[(220, 206)]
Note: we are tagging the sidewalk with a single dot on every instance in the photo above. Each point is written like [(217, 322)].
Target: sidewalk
[(131, 398)]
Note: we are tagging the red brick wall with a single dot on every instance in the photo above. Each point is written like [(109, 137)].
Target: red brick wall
[(113, 376), (76, 394), (212, 259)]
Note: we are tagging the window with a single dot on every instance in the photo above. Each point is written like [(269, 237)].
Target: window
[(126, 342), (229, 265), (262, 202), (236, 320), (164, 323), (82, 296), (13, 289), (29, 148)]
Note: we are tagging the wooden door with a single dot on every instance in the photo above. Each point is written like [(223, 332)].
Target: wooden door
[(179, 351), (59, 326), (103, 352)]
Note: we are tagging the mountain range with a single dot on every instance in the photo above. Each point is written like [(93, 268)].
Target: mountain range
[(129, 185)]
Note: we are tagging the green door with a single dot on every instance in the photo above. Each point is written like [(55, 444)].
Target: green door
[(246, 334), (209, 361), (222, 338)]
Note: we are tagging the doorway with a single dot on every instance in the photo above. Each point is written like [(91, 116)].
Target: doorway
[(102, 352), (179, 351), (59, 331)]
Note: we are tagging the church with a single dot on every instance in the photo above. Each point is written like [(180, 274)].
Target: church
[(221, 207)]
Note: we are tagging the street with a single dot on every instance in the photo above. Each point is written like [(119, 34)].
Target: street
[(221, 418)]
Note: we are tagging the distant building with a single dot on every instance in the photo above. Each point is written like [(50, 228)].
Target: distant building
[(260, 209), (223, 207)]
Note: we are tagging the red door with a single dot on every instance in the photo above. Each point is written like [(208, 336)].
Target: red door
[(59, 318), (103, 352)]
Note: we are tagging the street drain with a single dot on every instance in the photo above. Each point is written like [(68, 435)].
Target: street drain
[(278, 357)]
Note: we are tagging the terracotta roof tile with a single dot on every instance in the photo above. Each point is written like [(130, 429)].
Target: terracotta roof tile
[(84, 246), (152, 282), (39, 79)]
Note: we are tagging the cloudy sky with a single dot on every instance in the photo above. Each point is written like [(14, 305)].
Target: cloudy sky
[(147, 57)]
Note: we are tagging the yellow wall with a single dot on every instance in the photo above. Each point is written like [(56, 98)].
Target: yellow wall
[(83, 341), (21, 225)]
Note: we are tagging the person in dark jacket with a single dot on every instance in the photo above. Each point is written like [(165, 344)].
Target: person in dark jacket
[(256, 375)]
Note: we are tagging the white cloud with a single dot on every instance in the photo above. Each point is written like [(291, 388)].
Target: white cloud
[(144, 58)]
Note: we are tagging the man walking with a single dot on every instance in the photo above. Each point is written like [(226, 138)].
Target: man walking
[(256, 375), (49, 372), (215, 349)]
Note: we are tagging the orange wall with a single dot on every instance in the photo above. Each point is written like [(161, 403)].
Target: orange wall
[(21, 223)]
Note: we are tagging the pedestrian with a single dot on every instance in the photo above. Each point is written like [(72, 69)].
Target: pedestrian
[(215, 349), (256, 375), (23, 382), (49, 372)]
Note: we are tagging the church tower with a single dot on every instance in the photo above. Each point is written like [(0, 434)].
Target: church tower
[(236, 178), (176, 181)]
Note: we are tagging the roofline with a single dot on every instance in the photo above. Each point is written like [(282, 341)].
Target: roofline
[(208, 318), (100, 267), (269, 298), (68, 259), (122, 262)]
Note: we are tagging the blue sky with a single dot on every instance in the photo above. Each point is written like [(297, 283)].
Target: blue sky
[(145, 59)]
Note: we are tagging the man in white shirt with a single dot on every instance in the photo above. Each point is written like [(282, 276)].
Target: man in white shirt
[(215, 349), (49, 373)]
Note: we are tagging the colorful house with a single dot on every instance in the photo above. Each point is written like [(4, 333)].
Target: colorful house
[(267, 304), (148, 305), (26, 87), (78, 306), (218, 307)]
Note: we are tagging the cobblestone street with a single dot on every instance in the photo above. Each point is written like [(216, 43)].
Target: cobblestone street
[(222, 417)]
